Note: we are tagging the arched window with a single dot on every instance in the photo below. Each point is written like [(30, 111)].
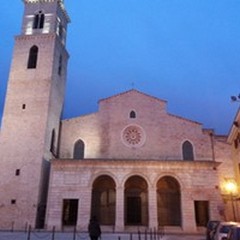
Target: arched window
[(132, 114), (187, 151), (38, 20), (78, 152), (32, 58)]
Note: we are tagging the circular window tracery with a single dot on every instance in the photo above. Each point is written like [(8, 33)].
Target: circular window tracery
[(133, 136)]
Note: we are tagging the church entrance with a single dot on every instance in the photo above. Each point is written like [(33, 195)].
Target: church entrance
[(136, 201), (104, 200), (168, 202)]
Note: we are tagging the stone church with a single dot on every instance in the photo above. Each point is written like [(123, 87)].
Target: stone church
[(131, 164)]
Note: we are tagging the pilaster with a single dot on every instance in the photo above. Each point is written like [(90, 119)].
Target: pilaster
[(188, 216), (153, 218), (119, 223)]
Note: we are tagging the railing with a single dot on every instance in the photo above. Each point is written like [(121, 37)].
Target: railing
[(34, 234)]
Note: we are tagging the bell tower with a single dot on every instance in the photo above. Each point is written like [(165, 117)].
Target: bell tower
[(32, 111)]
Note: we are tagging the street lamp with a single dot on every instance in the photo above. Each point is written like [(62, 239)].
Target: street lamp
[(231, 189)]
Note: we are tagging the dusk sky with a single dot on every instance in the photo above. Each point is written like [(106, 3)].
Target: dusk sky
[(184, 51)]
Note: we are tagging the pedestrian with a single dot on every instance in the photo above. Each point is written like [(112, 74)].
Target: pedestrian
[(94, 229)]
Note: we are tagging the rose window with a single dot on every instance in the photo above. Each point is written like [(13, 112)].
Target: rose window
[(133, 136)]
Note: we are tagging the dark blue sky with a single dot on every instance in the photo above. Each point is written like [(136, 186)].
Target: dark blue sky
[(184, 51)]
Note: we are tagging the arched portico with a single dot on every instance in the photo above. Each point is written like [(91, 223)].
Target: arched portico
[(103, 204), (136, 201), (169, 202)]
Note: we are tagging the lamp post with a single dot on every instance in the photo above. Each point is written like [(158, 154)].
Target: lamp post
[(231, 188)]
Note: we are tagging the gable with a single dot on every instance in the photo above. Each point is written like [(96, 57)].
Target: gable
[(131, 100)]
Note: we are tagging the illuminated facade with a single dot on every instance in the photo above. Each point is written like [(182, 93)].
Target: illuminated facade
[(132, 164)]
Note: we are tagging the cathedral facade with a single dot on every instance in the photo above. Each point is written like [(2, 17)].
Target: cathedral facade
[(131, 164)]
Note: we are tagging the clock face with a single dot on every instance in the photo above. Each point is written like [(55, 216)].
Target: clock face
[(133, 136)]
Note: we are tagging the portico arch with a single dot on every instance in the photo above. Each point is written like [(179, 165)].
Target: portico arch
[(136, 201), (169, 201), (104, 200)]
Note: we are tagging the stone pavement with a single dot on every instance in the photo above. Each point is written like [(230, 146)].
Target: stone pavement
[(84, 236)]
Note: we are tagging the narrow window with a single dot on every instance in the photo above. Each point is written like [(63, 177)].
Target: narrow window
[(52, 146), (13, 201), (78, 152), (60, 65), (38, 22), (132, 114), (17, 172), (24, 106), (60, 30), (187, 151), (33, 55), (41, 22)]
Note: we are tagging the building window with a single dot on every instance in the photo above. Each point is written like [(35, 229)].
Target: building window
[(33, 55), (60, 30), (201, 209), (17, 172), (78, 152), (52, 145), (38, 22), (70, 212), (13, 201), (187, 151), (60, 66), (132, 114)]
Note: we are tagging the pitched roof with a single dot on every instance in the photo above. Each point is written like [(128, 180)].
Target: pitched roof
[(133, 91)]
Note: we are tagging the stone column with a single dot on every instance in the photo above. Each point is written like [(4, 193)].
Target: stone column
[(119, 224), (152, 208)]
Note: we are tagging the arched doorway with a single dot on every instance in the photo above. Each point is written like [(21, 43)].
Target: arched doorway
[(104, 200), (169, 202), (136, 201)]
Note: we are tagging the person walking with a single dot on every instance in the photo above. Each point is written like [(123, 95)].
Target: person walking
[(94, 229)]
